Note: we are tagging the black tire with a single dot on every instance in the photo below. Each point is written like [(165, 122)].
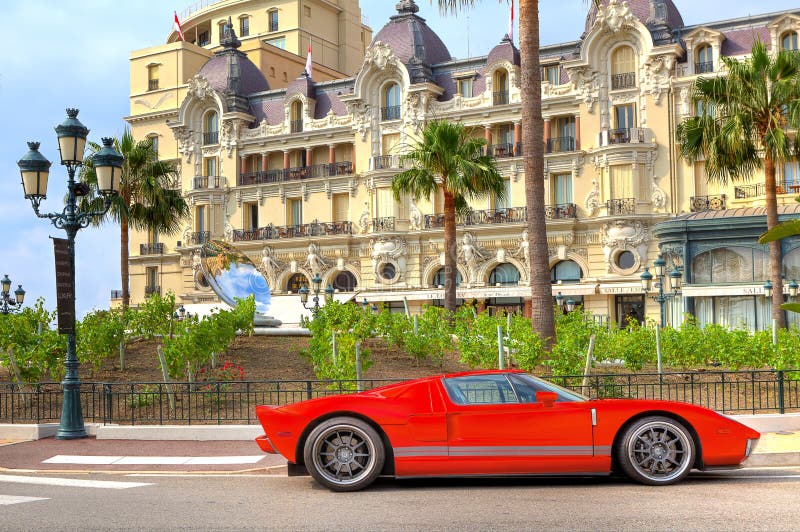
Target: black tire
[(344, 454), (656, 451)]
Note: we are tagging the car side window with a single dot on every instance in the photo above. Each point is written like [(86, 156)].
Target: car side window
[(480, 390)]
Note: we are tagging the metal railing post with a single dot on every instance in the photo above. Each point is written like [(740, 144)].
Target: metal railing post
[(781, 391)]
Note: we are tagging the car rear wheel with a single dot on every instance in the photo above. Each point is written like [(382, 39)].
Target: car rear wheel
[(657, 451), (344, 454)]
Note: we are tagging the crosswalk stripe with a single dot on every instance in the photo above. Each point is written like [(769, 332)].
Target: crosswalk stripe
[(6, 500), (72, 482), (153, 460)]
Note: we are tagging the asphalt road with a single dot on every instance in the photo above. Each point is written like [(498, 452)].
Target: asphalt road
[(752, 499)]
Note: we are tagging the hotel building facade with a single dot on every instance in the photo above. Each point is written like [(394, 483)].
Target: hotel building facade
[(295, 170)]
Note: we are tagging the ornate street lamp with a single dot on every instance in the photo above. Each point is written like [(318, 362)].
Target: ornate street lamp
[(316, 288), (664, 294), (366, 305), (35, 168), (10, 305)]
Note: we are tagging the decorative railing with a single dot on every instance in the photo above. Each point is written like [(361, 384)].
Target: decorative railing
[(500, 151), (621, 206), (501, 216), (385, 223), (314, 229), (704, 68), (152, 84), (561, 211), (300, 172), (386, 162), (707, 203), (211, 137), (500, 98), (391, 112), (156, 248), (749, 191), (217, 403), (631, 135), (626, 80), (560, 144), (150, 290), (205, 181), (116, 294), (198, 238)]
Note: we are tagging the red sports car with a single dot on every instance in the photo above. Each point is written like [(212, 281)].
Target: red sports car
[(497, 423)]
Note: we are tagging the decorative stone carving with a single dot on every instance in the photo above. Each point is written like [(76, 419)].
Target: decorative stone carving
[(592, 202), (361, 117), (472, 255), (229, 135), (416, 110), (228, 232), (586, 83), (390, 250), (656, 76), (614, 17), (379, 55), (364, 219), (186, 141), (624, 235), (414, 217), (315, 263), (658, 197), (523, 251), (270, 267), (200, 88)]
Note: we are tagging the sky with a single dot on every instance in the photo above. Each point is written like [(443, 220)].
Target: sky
[(74, 53)]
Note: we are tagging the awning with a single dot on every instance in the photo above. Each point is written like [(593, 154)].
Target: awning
[(727, 290), (577, 289), (625, 287)]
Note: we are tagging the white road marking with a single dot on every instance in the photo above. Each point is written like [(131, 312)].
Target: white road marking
[(72, 482), (153, 460), (6, 500)]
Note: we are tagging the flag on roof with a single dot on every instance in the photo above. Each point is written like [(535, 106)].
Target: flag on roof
[(176, 25)]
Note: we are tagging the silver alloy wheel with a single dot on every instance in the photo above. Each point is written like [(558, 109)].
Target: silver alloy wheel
[(660, 451), (344, 454)]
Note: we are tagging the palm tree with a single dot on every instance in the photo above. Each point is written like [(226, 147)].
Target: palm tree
[(146, 201), (446, 152), (742, 126)]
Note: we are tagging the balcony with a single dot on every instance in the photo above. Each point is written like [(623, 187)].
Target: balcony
[(386, 162), (749, 191), (296, 126), (391, 112), (632, 135), (300, 172), (621, 206), (561, 211), (707, 203), (509, 215), (704, 68), (198, 238), (210, 137), (314, 229), (560, 144), (500, 98), (205, 182), (152, 84), (116, 294), (626, 80), (385, 223), (149, 290), (156, 248)]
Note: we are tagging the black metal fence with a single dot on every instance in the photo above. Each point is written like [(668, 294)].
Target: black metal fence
[(156, 403)]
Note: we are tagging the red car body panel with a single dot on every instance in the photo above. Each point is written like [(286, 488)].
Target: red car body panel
[(428, 434)]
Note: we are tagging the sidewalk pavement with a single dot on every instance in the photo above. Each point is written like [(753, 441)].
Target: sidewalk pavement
[(231, 449)]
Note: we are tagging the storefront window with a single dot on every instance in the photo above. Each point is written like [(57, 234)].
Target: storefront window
[(730, 265), (735, 312)]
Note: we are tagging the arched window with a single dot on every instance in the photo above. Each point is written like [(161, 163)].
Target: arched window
[(390, 110), (705, 60), (731, 265), (566, 271), (438, 279), (504, 275), (296, 281), (273, 19), (344, 282), (296, 117), (211, 128), (623, 68), (789, 41), (153, 142), (500, 85)]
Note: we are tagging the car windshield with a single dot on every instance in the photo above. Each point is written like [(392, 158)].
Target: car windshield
[(497, 388)]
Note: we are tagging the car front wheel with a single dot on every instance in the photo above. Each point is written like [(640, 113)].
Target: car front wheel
[(344, 454), (657, 451)]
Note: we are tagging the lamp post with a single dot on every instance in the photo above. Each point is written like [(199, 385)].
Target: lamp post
[(567, 305), (35, 169), (316, 288), (11, 305), (663, 295)]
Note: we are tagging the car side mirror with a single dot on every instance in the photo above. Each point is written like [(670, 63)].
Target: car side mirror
[(546, 398)]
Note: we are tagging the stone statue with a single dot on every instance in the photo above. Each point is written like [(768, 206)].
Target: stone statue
[(314, 261), (269, 266), (364, 219), (414, 217)]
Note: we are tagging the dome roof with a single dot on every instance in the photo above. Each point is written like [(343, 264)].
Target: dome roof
[(504, 51), (410, 38), (218, 69)]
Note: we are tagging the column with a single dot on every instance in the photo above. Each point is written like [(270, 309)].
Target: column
[(546, 134), (517, 138), (264, 162), (331, 154), (285, 159), (309, 157), (578, 133), (354, 158)]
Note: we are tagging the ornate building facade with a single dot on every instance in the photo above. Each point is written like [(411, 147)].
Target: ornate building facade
[(297, 175)]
